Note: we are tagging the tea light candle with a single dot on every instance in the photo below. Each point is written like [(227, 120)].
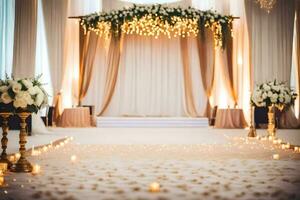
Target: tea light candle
[(73, 158), (17, 156), (276, 156), (45, 148), (154, 187), (1, 180), (11, 158), (36, 169), (3, 167), (283, 146), (287, 146)]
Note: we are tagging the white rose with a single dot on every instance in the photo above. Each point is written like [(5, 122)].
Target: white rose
[(264, 95), (281, 100), (16, 87), (270, 94), (287, 99), (274, 96), (39, 99), (3, 88), (6, 98), (20, 103), (34, 90), (27, 83)]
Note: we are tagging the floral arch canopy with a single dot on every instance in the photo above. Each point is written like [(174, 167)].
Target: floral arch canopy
[(155, 20)]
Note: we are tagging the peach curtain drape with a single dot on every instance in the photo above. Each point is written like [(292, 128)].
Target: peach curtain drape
[(188, 90), (113, 61), (206, 54), (87, 57), (229, 70)]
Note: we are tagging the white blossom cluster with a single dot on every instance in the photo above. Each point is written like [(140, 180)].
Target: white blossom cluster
[(272, 92), (25, 94)]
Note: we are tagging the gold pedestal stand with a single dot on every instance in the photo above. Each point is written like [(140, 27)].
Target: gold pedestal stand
[(271, 121), (252, 130), (22, 164), (4, 140)]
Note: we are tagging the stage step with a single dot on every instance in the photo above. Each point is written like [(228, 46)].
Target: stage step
[(128, 122)]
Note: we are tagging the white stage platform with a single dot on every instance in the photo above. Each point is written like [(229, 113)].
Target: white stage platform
[(153, 122)]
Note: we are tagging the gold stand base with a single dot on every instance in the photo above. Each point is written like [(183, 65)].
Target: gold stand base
[(252, 132), (21, 166)]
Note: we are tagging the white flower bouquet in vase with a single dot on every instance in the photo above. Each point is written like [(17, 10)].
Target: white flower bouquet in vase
[(270, 95), (22, 97)]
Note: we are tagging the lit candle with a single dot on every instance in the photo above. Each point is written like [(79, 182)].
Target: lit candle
[(279, 141), (45, 148), (17, 156), (276, 156), (154, 187), (287, 146), (296, 149), (271, 137), (1, 180), (275, 141), (36, 169), (283, 146), (3, 167), (73, 158), (11, 158)]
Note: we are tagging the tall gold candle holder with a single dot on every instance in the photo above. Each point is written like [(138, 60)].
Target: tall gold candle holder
[(22, 165), (271, 121), (4, 140), (252, 130)]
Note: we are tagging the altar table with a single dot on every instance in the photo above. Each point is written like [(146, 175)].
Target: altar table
[(230, 118), (75, 117)]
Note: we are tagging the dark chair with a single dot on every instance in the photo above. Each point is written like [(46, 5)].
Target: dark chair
[(261, 117), (212, 118), (49, 114), (91, 108)]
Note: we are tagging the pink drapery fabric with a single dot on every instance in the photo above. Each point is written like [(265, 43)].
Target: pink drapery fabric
[(113, 61), (206, 54)]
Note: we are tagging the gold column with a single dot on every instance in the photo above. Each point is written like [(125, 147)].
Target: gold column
[(271, 121), (4, 140), (252, 130), (22, 164)]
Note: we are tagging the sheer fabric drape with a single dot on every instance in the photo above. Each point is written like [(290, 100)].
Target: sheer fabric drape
[(150, 78), (25, 38)]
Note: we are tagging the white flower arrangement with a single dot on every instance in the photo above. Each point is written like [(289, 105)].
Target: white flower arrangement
[(22, 94), (273, 92)]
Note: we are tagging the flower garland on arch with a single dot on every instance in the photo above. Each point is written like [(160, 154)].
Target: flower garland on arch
[(155, 20)]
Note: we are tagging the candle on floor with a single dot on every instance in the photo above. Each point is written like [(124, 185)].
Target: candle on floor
[(276, 156), (17, 156), (275, 141), (45, 148), (154, 187), (287, 146), (36, 169), (3, 167), (283, 146), (1, 180), (73, 158), (279, 141)]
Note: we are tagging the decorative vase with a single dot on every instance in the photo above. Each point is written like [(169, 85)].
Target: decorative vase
[(271, 121), (252, 130), (22, 165), (4, 140)]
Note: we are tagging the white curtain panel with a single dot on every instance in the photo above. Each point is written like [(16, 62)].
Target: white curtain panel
[(150, 79), (271, 37), (25, 38), (7, 17)]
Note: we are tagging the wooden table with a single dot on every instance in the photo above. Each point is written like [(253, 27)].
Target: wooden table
[(75, 117), (230, 118)]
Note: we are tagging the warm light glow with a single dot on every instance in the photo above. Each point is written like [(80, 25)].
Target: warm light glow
[(36, 169), (17, 156), (73, 158), (3, 167), (154, 187), (276, 156)]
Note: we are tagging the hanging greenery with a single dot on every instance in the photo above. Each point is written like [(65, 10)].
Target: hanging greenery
[(155, 20)]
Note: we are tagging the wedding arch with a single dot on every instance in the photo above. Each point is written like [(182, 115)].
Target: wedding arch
[(209, 29)]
